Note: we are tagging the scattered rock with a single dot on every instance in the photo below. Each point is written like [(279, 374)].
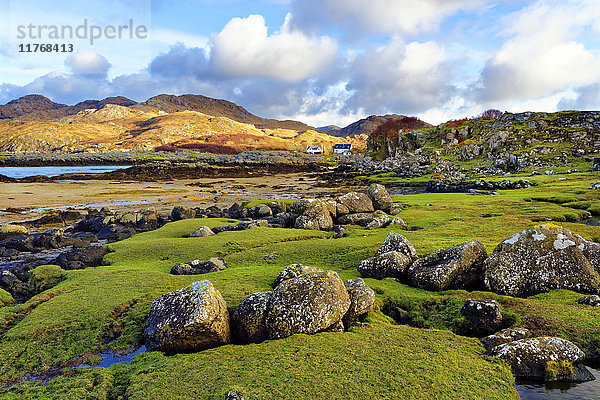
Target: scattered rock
[(397, 242), (380, 197), (485, 315), (203, 231), (339, 231), (392, 264), (362, 300), (277, 207), (540, 358), (395, 208), (178, 213), (504, 336), (234, 395), (197, 267), (458, 267), (379, 222), (189, 319), (248, 320), (294, 271), (82, 258), (362, 219), (399, 223), (356, 202), (543, 258), (17, 288), (116, 232), (593, 300), (260, 211), (315, 217), (8, 231)]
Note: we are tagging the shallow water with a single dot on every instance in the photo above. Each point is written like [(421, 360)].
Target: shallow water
[(22, 172), (109, 358), (563, 391)]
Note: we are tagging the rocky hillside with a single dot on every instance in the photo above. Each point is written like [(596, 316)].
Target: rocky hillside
[(509, 143), (367, 125), (36, 124)]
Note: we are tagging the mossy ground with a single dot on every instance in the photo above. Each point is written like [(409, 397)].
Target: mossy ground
[(105, 307)]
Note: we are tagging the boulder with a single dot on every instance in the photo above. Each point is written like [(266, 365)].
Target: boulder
[(593, 300), (504, 336), (248, 320), (260, 211), (82, 258), (189, 319), (245, 225), (116, 232), (13, 285), (396, 242), (8, 231), (316, 217), (362, 300), (392, 264), (398, 223), (485, 315), (541, 259), (277, 207), (45, 277), (237, 211), (379, 222), (282, 220), (178, 213), (395, 208), (339, 231), (458, 267), (362, 219), (308, 303), (197, 267), (234, 395), (541, 358), (203, 231), (294, 271), (380, 197), (356, 202)]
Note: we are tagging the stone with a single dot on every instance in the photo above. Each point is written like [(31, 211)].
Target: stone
[(234, 395), (380, 197), (392, 264), (260, 211), (395, 208), (245, 225), (282, 220), (190, 319), (248, 320), (17, 288), (379, 222), (540, 259), (362, 219), (315, 217), (396, 242), (458, 267), (504, 336), (178, 213), (203, 231), (356, 202), (398, 223), (237, 211), (308, 303), (485, 315), (277, 207), (533, 358), (339, 231), (197, 267), (362, 300), (82, 258), (593, 300), (116, 232), (294, 271), (8, 231)]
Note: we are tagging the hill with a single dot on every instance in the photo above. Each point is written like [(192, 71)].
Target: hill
[(367, 125)]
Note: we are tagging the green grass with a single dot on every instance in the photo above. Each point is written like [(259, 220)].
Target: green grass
[(106, 307), (5, 298)]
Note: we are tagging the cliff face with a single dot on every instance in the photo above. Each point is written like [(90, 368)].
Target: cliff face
[(529, 138)]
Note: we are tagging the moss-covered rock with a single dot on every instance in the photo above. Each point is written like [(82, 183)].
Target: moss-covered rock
[(362, 300), (504, 336), (392, 264), (8, 231), (380, 197), (541, 259), (248, 320), (5, 298), (189, 319), (356, 202), (45, 277)]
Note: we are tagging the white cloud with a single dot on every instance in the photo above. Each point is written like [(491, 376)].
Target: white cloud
[(245, 49), (87, 62)]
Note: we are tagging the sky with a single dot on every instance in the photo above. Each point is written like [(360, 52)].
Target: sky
[(318, 61)]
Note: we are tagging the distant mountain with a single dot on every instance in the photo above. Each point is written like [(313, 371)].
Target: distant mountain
[(369, 124), (329, 128), (31, 103)]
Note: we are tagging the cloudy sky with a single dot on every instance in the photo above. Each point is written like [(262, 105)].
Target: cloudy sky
[(319, 61)]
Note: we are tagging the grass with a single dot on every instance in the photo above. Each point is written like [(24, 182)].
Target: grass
[(106, 307)]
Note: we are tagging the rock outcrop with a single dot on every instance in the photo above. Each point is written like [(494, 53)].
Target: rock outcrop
[(485, 315), (197, 267), (189, 319), (504, 336), (540, 259), (392, 260)]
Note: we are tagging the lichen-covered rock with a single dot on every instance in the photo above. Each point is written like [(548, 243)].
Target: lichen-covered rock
[(398, 223), (504, 336), (593, 300), (540, 259), (485, 315), (203, 231), (294, 271), (339, 231), (189, 319), (248, 320), (277, 206), (379, 222), (392, 264), (234, 395), (356, 202), (362, 300), (7, 231), (178, 213), (531, 358), (395, 208), (396, 242), (196, 267), (362, 219), (80, 258), (458, 267), (308, 303), (380, 197), (316, 217), (260, 211)]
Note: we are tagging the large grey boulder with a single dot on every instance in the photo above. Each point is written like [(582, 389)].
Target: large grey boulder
[(260, 211), (8, 231), (485, 315), (317, 216), (392, 264), (356, 202), (458, 267), (189, 319), (541, 259), (362, 300), (396, 242), (379, 222), (540, 358), (203, 231), (380, 197), (308, 303), (248, 320), (504, 336)]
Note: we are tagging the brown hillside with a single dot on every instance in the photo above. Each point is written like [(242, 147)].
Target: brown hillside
[(367, 125)]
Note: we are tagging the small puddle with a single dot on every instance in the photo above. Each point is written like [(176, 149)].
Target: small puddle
[(112, 358), (562, 390), (594, 221)]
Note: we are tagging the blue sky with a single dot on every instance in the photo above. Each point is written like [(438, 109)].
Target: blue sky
[(319, 61)]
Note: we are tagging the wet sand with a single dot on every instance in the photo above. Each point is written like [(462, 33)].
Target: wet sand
[(34, 199)]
